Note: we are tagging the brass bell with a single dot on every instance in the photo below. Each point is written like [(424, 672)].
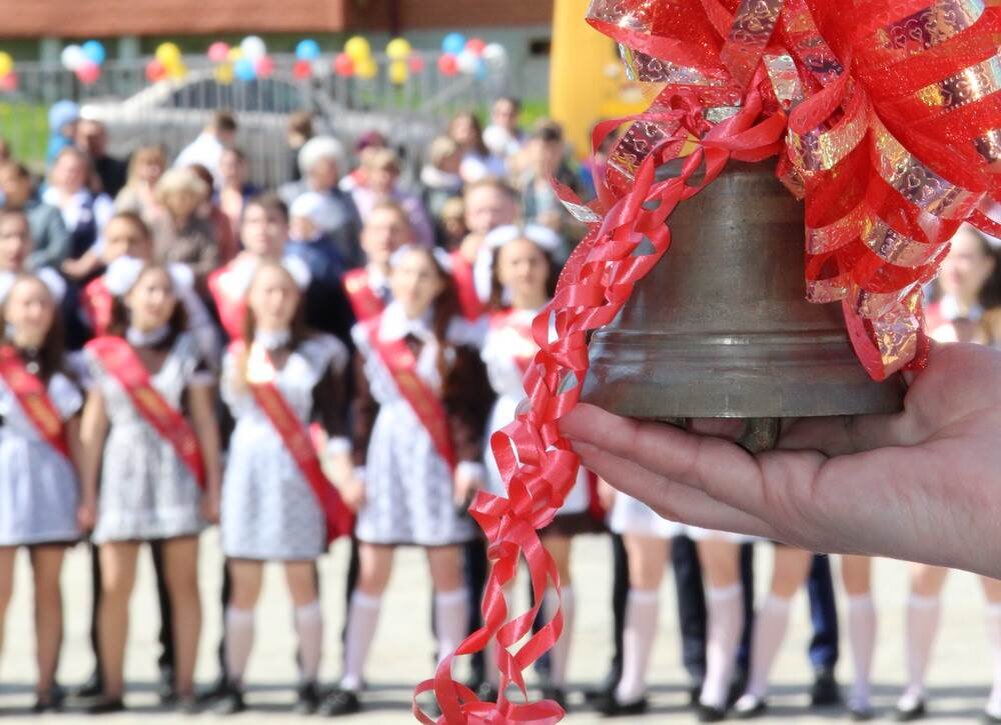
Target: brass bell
[(721, 328)]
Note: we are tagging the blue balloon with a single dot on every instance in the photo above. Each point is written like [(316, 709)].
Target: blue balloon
[(95, 52), (453, 43), (244, 69), (307, 50)]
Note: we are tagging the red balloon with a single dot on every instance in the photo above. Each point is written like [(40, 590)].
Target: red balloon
[(265, 66), (416, 63), (155, 71), (302, 69), (476, 46), (88, 73), (8, 83), (343, 65), (448, 64)]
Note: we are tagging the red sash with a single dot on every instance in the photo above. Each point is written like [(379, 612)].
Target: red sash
[(465, 283), (402, 365), (232, 312), (300, 444), (122, 362), (364, 301), (33, 398), (97, 304)]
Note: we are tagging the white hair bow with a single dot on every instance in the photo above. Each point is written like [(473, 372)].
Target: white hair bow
[(483, 271), (46, 275), (122, 275)]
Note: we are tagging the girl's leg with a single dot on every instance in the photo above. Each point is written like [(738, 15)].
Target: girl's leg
[(375, 566), (559, 548), (451, 603), (245, 581), (7, 554), (647, 560), (301, 579), (856, 573), (720, 561), (180, 563), (923, 610), (992, 592), (118, 576), (46, 565)]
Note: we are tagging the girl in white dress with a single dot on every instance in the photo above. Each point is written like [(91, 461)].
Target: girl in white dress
[(157, 474), (39, 445), (419, 416), (272, 501)]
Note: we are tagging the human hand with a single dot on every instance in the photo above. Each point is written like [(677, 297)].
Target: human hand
[(86, 515), (468, 480), (922, 485), (210, 506), (353, 493)]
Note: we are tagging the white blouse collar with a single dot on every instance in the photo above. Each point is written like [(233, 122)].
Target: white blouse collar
[(395, 325)]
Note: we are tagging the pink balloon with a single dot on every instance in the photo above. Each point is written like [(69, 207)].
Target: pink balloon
[(302, 69), (155, 71), (416, 63), (89, 72), (343, 65), (448, 65), (265, 66), (8, 83), (219, 52), (476, 46)]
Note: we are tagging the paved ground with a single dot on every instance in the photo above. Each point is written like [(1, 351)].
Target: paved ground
[(959, 676)]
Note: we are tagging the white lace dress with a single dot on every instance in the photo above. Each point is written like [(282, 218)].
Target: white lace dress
[(269, 510), (39, 492), (146, 490)]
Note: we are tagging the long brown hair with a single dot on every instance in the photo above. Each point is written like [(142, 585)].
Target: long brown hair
[(496, 301), (52, 353), (178, 321)]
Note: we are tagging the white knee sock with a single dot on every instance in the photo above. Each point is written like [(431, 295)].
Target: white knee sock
[(922, 626), (993, 615), (451, 620), (239, 641), (862, 635), (726, 622), (642, 609), (309, 627), (770, 624), (363, 616), (559, 655)]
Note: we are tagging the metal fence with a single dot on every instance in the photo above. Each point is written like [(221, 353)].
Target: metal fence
[(172, 112)]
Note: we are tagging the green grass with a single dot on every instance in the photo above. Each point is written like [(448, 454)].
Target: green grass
[(25, 126)]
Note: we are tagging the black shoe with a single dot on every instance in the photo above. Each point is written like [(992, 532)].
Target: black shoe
[(340, 702), (308, 699), (51, 701), (824, 692), (594, 694), (910, 712), (707, 713), (217, 690), (90, 689), (187, 705), (165, 689), (229, 700), (557, 695), (611, 707), (105, 706), (738, 686), (694, 693), (749, 707)]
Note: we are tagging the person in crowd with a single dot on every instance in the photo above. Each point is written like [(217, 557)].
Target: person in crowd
[(382, 174), (40, 503), (502, 136), (180, 233), (153, 473), (967, 305), (49, 239), (477, 161), (417, 448), (452, 227), (92, 139), (368, 142), (298, 131), (311, 218), (321, 161), (146, 166), (84, 212), (546, 159), (440, 180), (209, 209), (15, 243), (367, 288), (63, 118), (235, 188), (207, 148), (277, 504)]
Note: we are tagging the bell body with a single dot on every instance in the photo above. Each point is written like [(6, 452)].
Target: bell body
[(721, 326)]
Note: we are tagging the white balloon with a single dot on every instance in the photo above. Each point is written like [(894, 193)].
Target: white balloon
[(73, 57), (253, 48), (467, 62), (495, 54)]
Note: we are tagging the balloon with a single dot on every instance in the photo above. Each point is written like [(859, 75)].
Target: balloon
[(416, 63), (453, 44), (467, 62), (399, 49), (177, 71), (476, 46), (367, 68), (244, 69), (89, 72), (265, 67), (155, 71), (94, 51), (253, 48), (224, 74), (482, 70), (72, 57), (448, 65), (496, 54), (358, 49), (6, 64), (219, 52), (343, 65), (302, 69), (307, 50), (399, 72), (235, 54), (8, 83), (168, 54)]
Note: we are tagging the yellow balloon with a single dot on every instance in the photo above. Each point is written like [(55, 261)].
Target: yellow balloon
[(6, 63), (234, 54), (177, 70), (399, 72), (168, 54), (366, 68), (224, 74), (399, 49), (358, 49)]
